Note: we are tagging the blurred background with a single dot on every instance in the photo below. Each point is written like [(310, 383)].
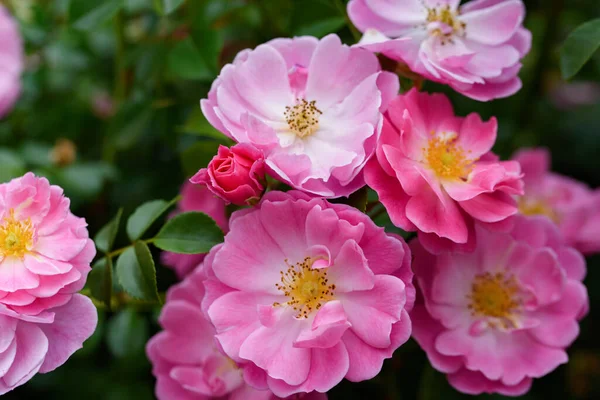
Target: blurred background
[(109, 110)]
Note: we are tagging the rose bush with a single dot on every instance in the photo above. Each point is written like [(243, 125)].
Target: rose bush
[(357, 173)]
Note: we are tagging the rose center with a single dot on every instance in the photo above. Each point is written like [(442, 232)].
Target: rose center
[(303, 118), (537, 207), (16, 237), (444, 21), (307, 289), (495, 296), (447, 159)]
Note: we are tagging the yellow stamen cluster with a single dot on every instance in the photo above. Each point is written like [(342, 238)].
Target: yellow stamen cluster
[(446, 159), (448, 17), (307, 288), (537, 207), (303, 118), (495, 296), (16, 237)]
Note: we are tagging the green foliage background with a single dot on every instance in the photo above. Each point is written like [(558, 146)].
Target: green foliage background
[(155, 59)]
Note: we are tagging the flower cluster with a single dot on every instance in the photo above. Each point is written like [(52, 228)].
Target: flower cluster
[(45, 256), (305, 292)]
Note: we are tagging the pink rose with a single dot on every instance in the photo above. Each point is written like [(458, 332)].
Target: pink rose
[(572, 205), (235, 174), (11, 53), (435, 173), (495, 319), (314, 107), (45, 250), (303, 293), (476, 48)]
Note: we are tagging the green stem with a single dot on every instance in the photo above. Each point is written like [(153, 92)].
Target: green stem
[(342, 9)]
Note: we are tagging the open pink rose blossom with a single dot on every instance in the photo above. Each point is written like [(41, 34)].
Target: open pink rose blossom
[(186, 360), (434, 172), (306, 293), (494, 319), (40, 343), (45, 251), (312, 106), (236, 174), (195, 198), (476, 48), (572, 205), (11, 53)]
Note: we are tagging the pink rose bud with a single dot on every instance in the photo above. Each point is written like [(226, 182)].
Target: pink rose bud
[(235, 174)]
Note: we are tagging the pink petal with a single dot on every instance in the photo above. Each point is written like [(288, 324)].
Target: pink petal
[(372, 313), (366, 361), (272, 350), (350, 270), (329, 325), (496, 24), (327, 368), (439, 214), (333, 63), (73, 324), (490, 207), (32, 346), (14, 276), (390, 193)]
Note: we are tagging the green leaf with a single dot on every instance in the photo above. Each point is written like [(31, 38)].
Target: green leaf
[(144, 216), (189, 233), (129, 124), (186, 62), (197, 124), (105, 238), (136, 272), (198, 156), (11, 165), (579, 47), (98, 15), (100, 280), (127, 334), (209, 44), (165, 7), (322, 27)]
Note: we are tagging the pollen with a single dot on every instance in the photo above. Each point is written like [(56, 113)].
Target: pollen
[(448, 17), (303, 118), (446, 159), (306, 288), (16, 237), (495, 296), (537, 207)]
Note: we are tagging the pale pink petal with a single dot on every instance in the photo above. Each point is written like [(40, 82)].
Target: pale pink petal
[(495, 24), (73, 324), (366, 361), (372, 313)]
